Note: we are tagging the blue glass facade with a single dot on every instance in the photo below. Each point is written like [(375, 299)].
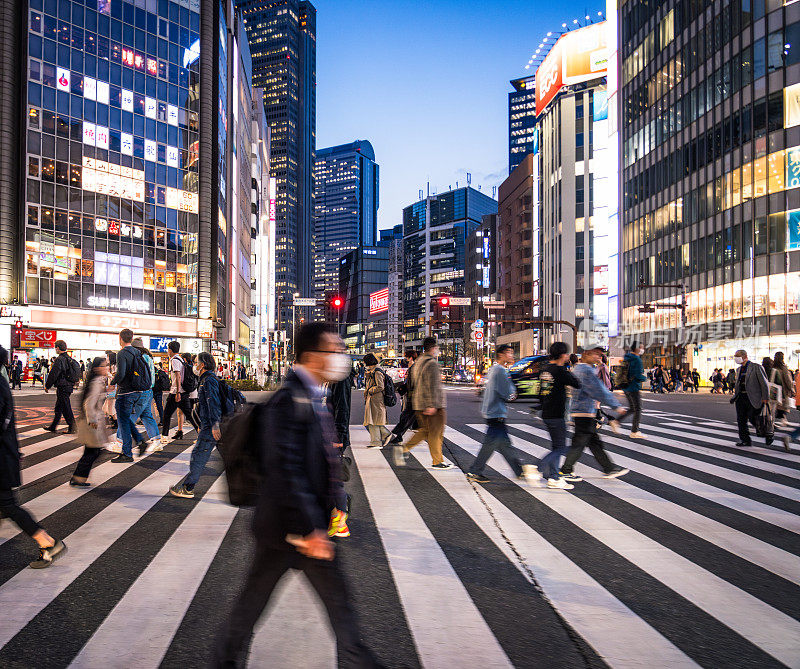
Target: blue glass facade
[(111, 155)]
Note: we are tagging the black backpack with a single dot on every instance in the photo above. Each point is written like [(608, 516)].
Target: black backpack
[(623, 378), (162, 384), (139, 372), (389, 392), (72, 372), (189, 383)]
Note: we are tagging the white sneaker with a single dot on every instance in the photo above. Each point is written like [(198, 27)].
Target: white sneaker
[(559, 484), (532, 475), (637, 435), (153, 446), (114, 447)]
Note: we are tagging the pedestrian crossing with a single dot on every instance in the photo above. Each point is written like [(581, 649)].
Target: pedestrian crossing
[(690, 560)]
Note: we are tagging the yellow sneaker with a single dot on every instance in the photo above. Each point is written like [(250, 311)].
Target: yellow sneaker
[(338, 525)]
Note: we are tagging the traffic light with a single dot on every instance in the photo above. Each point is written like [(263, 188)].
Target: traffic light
[(444, 301), (337, 302)]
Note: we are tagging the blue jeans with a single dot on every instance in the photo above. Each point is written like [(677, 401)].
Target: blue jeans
[(144, 409), (200, 455), (124, 406), (496, 439), (549, 465)]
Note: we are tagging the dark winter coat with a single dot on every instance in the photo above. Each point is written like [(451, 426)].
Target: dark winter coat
[(9, 446)]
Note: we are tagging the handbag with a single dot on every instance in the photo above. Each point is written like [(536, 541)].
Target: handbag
[(765, 424), (774, 390)]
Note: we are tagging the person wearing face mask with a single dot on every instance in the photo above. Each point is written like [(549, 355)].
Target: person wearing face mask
[(374, 408), (429, 403), (750, 396), (209, 414), (633, 388), (301, 488)]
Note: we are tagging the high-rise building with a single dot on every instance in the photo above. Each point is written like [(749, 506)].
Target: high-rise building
[(709, 123), (394, 240), (283, 45), (435, 230), (122, 215), (573, 161), (522, 133), (363, 280), (346, 182)]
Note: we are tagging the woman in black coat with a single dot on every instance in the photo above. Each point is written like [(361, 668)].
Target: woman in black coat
[(49, 549)]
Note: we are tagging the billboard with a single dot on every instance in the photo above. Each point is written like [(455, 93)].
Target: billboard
[(579, 55), (379, 301)]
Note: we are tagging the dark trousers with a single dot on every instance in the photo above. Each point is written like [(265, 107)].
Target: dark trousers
[(10, 508), (63, 407), (635, 404), (586, 435), (158, 398), (184, 405), (84, 465), (745, 413), (496, 439), (16, 381), (548, 465), (406, 422), (269, 565)]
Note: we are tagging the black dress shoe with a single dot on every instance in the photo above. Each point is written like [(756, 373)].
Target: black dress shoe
[(741, 444), (72, 430), (51, 428), (79, 484)]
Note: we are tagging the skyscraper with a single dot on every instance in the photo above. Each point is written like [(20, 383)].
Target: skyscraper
[(282, 36), (522, 132), (345, 208)]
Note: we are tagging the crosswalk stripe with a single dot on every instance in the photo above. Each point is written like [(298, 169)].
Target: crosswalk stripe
[(160, 596), (43, 445), (620, 637), (723, 456), (764, 626), (750, 507), (443, 619), (49, 466), (29, 591), (771, 558)]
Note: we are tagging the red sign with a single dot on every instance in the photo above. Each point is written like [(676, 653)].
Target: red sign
[(37, 338), (379, 301)]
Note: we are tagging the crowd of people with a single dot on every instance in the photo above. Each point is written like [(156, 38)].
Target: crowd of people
[(301, 435)]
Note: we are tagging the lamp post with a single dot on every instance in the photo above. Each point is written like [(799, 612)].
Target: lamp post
[(294, 322), (650, 307)]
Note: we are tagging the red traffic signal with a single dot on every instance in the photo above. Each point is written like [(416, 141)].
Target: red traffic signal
[(444, 301), (337, 302)]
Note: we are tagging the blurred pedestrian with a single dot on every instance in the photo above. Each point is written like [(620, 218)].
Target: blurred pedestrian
[(64, 375), (144, 406), (211, 407), (374, 407), (751, 395), (339, 403), (131, 379), (632, 390), (429, 404), (50, 549), (16, 374), (301, 490), (783, 377), (498, 391), (92, 432), (408, 418)]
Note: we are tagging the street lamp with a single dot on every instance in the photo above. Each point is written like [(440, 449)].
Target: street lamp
[(294, 321)]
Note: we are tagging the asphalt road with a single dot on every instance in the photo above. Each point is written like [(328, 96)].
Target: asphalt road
[(691, 559)]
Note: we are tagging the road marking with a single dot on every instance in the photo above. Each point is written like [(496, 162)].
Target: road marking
[(443, 619)]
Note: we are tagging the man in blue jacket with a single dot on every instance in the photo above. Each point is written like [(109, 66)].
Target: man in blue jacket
[(634, 387), (499, 389), (584, 411), (210, 412)]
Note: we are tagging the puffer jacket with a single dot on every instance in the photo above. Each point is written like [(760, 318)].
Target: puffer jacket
[(591, 393)]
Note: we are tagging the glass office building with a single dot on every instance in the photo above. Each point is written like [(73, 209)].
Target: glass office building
[(435, 232), (523, 135), (363, 273), (346, 181), (709, 118)]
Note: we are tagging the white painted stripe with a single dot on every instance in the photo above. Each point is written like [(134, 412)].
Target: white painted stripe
[(294, 612), (617, 634), (750, 507), (28, 434), (724, 456), (767, 556), (160, 597), (442, 617), (700, 433), (766, 627), (26, 594), (45, 444), (47, 467)]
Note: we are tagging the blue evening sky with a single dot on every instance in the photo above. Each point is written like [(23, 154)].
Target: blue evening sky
[(427, 84)]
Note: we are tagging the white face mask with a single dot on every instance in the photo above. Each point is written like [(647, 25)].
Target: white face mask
[(198, 370), (738, 360), (337, 366)]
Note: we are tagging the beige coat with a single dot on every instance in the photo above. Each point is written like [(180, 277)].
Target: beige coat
[(92, 413), (374, 408)]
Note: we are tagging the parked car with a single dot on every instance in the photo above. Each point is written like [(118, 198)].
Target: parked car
[(447, 373), (395, 368), (462, 376)]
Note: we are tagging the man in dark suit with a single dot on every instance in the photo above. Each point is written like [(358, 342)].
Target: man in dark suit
[(750, 395), (301, 488)]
